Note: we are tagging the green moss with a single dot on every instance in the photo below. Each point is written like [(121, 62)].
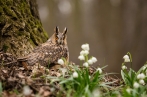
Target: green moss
[(2, 19), (31, 42), (33, 38), (32, 31), (2, 2), (9, 2), (31, 23), (9, 12), (1, 10), (45, 34), (20, 33)]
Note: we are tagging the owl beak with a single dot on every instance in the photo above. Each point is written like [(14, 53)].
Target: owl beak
[(60, 42)]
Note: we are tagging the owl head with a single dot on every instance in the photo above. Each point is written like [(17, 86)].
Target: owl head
[(60, 38)]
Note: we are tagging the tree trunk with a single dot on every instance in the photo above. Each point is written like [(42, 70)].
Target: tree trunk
[(20, 27)]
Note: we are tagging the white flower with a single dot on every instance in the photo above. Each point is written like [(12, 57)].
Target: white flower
[(126, 57), (138, 76), (127, 60), (85, 64), (94, 59), (81, 57), (124, 67), (99, 70), (141, 81), (61, 62), (75, 75), (85, 47), (96, 93), (63, 70), (90, 61), (136, 85), (141, 76), (26, 90), (128, 90), (84, 52)]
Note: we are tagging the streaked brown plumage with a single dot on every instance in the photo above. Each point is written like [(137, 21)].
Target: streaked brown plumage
[(50, 51)]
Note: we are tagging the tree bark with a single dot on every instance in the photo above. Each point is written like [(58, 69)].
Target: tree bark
[(20, 27)]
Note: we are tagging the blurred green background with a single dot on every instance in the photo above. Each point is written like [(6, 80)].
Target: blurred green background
[(110, 27)]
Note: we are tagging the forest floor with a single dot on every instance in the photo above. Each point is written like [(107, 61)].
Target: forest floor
[(71, 80), (38, 81)]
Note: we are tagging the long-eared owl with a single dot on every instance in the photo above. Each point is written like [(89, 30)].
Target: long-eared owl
[(50, 51)]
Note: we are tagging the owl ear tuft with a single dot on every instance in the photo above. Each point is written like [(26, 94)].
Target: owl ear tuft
[(65, 31), (56, 29)]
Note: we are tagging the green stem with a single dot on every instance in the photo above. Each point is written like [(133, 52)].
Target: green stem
[(130, 58), (86, 58)]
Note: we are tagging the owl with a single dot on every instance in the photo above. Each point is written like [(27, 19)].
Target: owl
[(49, 52)]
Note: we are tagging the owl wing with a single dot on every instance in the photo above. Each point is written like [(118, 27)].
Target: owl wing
[(45, 54)]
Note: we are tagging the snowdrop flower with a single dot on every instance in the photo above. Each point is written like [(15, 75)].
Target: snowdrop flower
[(136, 85), (128, 90), (96, 93), (94, 59), (99, 70), (90, 61), (138, 76), (124, 67), (26, 90), (84, 52), (141, 76), (85, 47), (85, 64), (61, 62), (141, 81), (81, 57), (126, 58), (63, 70), (75, 75)]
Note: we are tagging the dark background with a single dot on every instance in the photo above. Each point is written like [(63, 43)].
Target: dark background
[(111, 28)]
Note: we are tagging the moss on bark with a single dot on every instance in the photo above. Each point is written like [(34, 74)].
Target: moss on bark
[(20, 26)]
